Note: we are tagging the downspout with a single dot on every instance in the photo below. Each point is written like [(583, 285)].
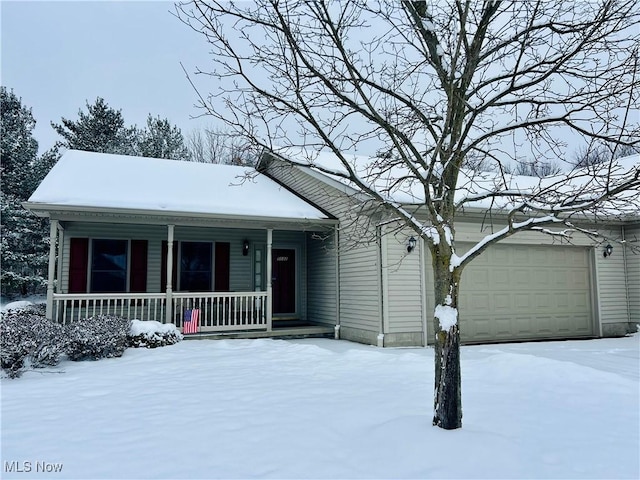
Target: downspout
[(596, 291), (53, 236), (383, 285), (336, 243), (626, 279), (423, 290)]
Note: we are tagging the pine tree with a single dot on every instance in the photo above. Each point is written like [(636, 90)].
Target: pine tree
[(160, 139), (100, 129), (18, 147), (24, 249), (24, 245)]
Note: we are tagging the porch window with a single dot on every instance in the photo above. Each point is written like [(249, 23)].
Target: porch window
[(195, 266), (109, 266)]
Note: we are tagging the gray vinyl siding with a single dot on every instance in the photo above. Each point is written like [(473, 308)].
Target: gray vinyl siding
[(241, 273), (612, 299), (359, 268), (402, 278), (632, 254), (321, 279)]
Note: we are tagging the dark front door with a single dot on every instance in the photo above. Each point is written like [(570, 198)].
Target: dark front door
[(284, 280)]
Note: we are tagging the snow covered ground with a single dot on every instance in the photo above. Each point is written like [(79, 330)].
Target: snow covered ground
[(327, 409), (7, 304)]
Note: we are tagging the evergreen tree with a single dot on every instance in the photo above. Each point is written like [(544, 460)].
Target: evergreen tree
[(24, 245), (160, 139), (100, 129), (18, 147), (24, 249)]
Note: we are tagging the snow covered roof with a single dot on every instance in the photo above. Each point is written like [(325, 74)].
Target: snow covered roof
[(86, 180), (400, 186)]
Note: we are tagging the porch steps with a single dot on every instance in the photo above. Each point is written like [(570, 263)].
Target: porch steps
[(310, 331)]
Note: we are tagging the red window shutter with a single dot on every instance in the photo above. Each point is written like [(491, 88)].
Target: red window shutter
[(138, 277), (163, 267), (78, 265), (222, 267)]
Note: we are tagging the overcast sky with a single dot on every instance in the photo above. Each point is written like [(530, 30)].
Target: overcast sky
[(57, 56)]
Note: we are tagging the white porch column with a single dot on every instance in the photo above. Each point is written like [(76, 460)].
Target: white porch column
[(59, 256), (269, 281), (169, 292), (53, 236)]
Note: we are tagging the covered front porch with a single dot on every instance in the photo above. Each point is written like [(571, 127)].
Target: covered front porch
[(235, 280), (236, 251)]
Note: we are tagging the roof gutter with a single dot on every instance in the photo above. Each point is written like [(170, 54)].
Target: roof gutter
[(45, 210)]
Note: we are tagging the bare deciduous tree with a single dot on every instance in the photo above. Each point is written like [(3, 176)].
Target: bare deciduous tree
[(435, 85), (217, 145), (534, 169), (600, 152)]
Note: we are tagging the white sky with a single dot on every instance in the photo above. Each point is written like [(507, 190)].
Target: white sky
[(57, 56)]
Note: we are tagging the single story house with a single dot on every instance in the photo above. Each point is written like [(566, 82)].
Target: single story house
[(255, 249), (152, 239)]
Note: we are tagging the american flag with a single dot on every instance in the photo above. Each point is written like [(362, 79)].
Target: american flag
[(190, 324)]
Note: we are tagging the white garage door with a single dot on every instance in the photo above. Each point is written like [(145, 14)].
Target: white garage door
[(518, 292)]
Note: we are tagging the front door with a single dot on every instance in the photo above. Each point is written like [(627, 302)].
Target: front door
[(284, 280)]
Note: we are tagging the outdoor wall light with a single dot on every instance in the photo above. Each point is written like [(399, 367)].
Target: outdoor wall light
[(411, 244), (608, 250), (245, 248)]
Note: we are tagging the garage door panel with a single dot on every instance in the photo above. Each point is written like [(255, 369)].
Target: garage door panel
[(481, 328), (540, 278), (501, 303), (580, 300), (521, 277), (560, 279), (562, 301), (543, 301), (544, 325), (499, 276), (522, 326), (477, 302), (478, 277), (521, 301), (503, 327), (526, 292)]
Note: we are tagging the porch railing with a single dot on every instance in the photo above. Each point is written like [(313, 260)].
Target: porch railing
[(223, 311), (219, 311), (68, 307)]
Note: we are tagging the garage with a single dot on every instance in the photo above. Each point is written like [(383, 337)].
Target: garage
[(525, 292)]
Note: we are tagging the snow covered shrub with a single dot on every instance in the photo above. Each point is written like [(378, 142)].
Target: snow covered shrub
[(152, 334), (102, 336), (16, 341), (50, 342), (27, 337)]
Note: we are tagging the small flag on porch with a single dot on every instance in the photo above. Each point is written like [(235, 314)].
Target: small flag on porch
[(191, 318)]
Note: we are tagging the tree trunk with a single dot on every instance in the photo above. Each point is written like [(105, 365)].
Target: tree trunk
[(447, 411)]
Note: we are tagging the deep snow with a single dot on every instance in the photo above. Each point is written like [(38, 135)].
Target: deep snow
[(328, 409), (162, 185)]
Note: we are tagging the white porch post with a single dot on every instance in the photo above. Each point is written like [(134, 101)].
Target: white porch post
[(59, 256), (53, 235), (269, 280), (169, 292)]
